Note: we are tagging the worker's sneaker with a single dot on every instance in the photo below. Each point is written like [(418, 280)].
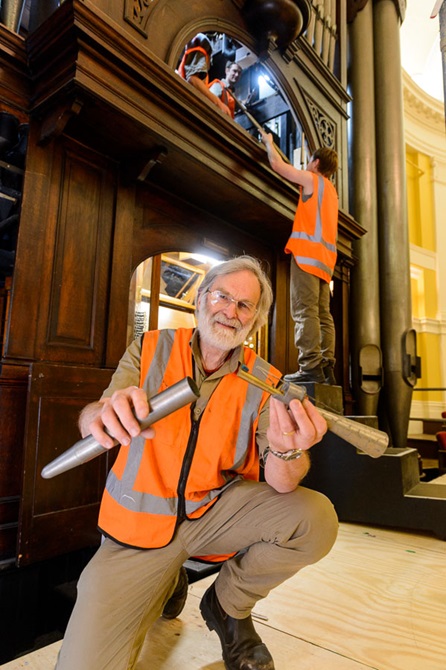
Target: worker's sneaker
[(177, 600), (315, 375), (242, 648)]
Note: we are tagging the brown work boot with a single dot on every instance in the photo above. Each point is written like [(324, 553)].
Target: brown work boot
[(177, 600), (242, 648)]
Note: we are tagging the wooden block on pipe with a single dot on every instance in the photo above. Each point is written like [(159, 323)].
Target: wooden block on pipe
[(326, 396)]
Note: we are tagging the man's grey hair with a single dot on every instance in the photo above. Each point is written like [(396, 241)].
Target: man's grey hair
[(239, 264)]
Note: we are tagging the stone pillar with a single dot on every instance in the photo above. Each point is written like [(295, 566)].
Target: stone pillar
[(394, 265), (365, 323)]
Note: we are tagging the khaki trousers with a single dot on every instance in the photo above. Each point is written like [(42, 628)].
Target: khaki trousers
[(122, 591), (314, 331)]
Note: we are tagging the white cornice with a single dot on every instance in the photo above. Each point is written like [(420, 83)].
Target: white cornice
[(422, 107), (427, 325), (425, 258)]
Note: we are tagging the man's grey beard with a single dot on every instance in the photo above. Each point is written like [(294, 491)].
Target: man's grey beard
[(211, 334)]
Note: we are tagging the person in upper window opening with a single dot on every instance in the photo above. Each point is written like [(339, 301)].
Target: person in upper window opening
[(190, 485), (313, 247), (223, 88), (194, 68)]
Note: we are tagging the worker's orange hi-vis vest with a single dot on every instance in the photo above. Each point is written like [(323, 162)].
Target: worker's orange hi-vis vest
[(141, 504), (315, 228), (181, 69), (226, 96)]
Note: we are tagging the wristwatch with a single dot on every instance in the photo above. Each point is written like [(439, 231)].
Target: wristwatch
[(290, 455)]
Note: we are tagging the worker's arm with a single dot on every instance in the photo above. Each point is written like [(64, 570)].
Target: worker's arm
[(201, 86), (302, 177)]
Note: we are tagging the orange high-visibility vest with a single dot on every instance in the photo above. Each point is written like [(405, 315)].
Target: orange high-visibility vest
[(315, 230), (181, 69), (226, 96), (141, 504)]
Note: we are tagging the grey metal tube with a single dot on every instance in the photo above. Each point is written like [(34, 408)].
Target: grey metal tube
[(176, 396), (366, 438), (365, 321), (370, 440), (394, 261)]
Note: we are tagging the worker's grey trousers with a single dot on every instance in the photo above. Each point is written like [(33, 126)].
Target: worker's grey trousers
[(314, 331), (122, 591)]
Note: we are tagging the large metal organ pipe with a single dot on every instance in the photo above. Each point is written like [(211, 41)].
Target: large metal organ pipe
[(366, 363), (394, 266), (322, 30)]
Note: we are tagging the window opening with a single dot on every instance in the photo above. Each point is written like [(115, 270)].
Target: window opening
[(258, 92)]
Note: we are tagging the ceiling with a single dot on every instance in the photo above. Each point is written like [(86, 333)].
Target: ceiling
[(420, 47)]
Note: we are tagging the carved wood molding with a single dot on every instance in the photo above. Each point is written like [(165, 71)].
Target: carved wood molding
[(325, 126), (138, 168), (14, 74), (137, 12), (55, 122)]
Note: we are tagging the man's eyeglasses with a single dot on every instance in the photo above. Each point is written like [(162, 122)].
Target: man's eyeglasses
[(224, 300)]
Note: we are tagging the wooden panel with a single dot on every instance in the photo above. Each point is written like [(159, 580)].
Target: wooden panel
[(12, 416), (12, 420), (59, 302), (82, 247), (78, 246), (5, 293), (121, 274), (59, 515)]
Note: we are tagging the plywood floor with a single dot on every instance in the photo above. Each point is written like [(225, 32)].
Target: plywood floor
[(378, 601)]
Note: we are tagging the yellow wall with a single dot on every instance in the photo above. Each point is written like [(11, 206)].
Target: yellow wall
[(413, 199), (424, 284), (425, 141), (420, 200), (428, 347), (424, 293)]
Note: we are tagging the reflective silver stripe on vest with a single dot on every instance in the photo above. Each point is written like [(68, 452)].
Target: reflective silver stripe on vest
[(305, 260), (123, 490), (249, 415), (151, 384), (137, 501), (317, 236), (158, 366)]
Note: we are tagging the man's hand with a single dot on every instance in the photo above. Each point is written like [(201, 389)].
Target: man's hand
[(116, 417), (302, 177), (267, 138), (299, 426)]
